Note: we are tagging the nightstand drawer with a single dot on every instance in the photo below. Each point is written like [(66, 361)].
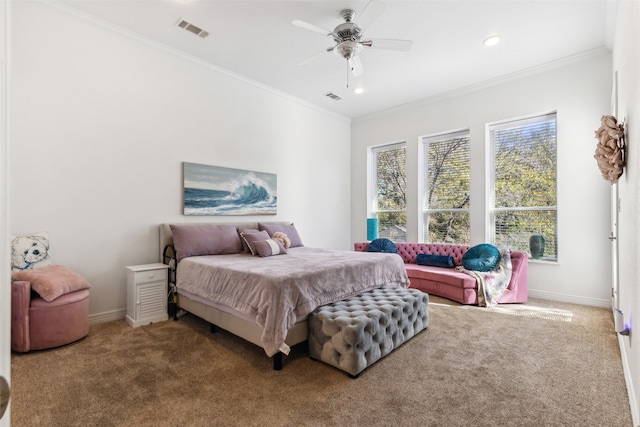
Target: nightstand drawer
[(150, 276)]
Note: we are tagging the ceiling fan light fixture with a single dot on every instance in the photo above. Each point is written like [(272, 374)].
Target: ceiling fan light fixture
[(348, 49), (358, 90), (491, 40)]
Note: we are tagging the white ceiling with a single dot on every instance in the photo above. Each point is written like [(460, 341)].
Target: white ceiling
[(256, 40)]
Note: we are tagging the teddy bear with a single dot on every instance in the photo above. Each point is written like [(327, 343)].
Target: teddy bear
[(282, 238)]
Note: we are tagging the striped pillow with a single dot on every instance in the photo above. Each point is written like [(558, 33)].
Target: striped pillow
[(269, 247)]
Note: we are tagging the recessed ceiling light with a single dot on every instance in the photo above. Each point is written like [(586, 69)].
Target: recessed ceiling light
[(491, 40), (358, 90)]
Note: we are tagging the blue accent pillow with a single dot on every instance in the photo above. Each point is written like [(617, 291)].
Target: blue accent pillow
[(483, 257), (382, 245), (435, 260)]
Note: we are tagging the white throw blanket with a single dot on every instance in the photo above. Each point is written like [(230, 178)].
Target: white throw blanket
[(492, 284)]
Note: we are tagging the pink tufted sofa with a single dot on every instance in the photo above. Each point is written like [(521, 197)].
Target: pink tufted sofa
[(450, 283)]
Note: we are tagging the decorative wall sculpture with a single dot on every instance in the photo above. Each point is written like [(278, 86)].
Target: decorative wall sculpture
[(610, 151)]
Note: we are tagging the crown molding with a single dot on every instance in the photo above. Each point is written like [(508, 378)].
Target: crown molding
[(78, 14), (532, 71)]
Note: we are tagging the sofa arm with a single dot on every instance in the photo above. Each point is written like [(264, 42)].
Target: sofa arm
[(519, 270), (20, 302)]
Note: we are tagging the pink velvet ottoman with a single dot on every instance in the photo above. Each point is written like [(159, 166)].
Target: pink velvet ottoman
[(37, 324)]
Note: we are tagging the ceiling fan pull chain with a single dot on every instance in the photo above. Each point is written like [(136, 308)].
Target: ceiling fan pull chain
[(348, 66)]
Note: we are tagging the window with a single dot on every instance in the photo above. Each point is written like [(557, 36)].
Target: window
[(524, 184), (390, 188), (446, 188)]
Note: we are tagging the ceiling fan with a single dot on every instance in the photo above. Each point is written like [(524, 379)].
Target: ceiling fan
[(348, 36)]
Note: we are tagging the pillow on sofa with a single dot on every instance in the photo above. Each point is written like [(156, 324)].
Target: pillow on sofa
[(435, 260), (382, 245), (483, 257), (269, 247), (52, 281), (30, 251), (288, 229), (250, 237), (205, 239)]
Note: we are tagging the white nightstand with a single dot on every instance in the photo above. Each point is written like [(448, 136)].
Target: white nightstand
[(146, 294)]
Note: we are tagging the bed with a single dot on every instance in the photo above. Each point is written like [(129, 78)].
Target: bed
[(265, 299)]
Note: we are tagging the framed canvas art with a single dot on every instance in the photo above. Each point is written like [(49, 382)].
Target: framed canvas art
[(215, 190)]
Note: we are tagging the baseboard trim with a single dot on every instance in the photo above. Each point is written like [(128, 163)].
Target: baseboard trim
[(633, 403), (570, 298), (107, 316)]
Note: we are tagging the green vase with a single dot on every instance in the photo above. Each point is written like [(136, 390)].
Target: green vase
[(536, 245)]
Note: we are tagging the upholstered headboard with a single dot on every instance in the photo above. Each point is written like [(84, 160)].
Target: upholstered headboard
[(166, 238)]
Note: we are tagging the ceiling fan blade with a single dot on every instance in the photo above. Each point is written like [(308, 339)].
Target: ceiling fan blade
[(356, 66), (388, 44), (314, 57), (311, 27), (370, 13)]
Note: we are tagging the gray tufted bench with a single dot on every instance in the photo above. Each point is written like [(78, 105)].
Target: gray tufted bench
[(353, 334)]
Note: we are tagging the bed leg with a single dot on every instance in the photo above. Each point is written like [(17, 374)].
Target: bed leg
[(277, 361), (212, 328)]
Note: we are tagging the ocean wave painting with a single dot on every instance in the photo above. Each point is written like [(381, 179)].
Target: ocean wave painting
[(214, 190)]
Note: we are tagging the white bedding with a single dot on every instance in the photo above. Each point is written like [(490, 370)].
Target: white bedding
[(277, 290)]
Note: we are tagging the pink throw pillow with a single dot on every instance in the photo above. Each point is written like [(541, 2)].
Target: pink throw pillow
[(52, 281)]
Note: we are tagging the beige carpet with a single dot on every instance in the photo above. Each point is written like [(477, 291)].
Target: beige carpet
[(539, 364)]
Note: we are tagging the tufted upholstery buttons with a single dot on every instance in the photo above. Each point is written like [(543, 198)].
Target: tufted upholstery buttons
[(408, 251), (352, 334), (450, 283)]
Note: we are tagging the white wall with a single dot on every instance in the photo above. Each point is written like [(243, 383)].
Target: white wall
[(626, 61), (579, 89), (101, 123)]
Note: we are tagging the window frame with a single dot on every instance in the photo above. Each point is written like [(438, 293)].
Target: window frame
[(372, 181), (423, 186), (491, 181)]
